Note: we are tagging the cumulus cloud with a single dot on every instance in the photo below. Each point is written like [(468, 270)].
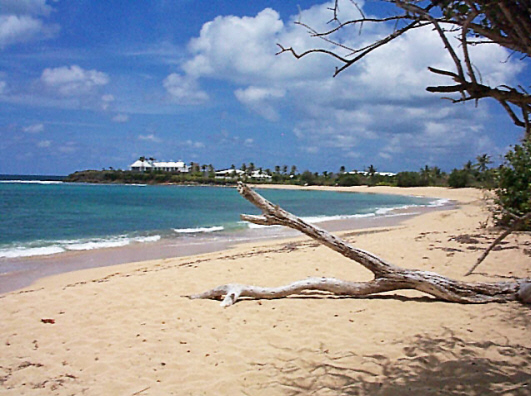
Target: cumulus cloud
[(258, 98), (184, 89), (21, 21), (73, 80), (234, 44), (370, 103), (35, 128)]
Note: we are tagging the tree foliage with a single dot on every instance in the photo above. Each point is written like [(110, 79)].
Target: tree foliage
[(459, 178), (513, 193), (410, 179)]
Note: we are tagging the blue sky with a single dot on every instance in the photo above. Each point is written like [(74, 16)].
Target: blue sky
[(92, 84)]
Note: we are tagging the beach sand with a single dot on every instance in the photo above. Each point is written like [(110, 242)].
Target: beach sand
[(128, 330)]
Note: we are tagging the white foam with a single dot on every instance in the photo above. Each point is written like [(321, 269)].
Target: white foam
[(108, 243), (31, 181), (29, 252), (439, 203), (98, 244), (74, 245), (153, 238), (198, 230)]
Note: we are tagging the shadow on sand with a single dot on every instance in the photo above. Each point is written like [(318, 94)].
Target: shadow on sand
[(446, 365)]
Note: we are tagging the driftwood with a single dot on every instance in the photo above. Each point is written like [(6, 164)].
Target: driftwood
[(387, 277)]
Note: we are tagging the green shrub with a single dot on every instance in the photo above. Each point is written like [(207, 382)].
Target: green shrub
[(348, 180), (307, 177), (513, 186), (410, 179), (458, 178)]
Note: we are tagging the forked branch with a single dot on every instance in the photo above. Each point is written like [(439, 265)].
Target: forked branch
[(387, 277)]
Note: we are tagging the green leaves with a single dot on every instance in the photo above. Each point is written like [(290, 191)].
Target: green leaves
[(513, 193)]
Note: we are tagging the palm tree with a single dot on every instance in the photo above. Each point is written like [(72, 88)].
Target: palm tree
[(425, 174), (371, 170), (483, 162), (342, 169)]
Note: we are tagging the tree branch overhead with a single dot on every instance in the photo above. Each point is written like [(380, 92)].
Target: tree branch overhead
[(506, 23)]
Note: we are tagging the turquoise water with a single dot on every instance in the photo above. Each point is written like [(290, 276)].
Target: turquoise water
[(50, 217)]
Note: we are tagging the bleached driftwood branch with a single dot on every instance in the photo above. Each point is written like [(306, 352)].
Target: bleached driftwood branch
[(387, 277)]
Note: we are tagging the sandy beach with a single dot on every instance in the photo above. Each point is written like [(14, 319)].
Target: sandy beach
[(131, 330)]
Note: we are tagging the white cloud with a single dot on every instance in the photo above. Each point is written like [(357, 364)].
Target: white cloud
[(230, 43), (184, 89), (150, 137), (35, 128), (120, 118), (368, 104), (73, 80), (3, 86), (258, 98), (20, 22)]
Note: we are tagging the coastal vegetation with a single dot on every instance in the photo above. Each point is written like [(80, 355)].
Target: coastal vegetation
[(476, 174)]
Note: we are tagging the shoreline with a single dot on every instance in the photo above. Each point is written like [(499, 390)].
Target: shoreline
[(22, 272), (130, 329)]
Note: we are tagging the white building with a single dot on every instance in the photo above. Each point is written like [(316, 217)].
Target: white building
[(260, 175), (171, 166), (141, 166), (235, 173), (365, 173), (229, 173)]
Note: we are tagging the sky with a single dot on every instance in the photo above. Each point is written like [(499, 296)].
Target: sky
[(93, 84)]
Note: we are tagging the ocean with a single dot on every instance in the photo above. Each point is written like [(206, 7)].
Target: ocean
[(44, 219)]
